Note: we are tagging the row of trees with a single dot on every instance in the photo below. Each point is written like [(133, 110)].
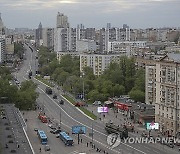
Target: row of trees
[(24, 98), (118, 79)]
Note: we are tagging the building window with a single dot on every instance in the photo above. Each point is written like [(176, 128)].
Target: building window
[(167, 115), (167, 109)]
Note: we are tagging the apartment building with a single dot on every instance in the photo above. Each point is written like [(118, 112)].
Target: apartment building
[(48, 37), (85, 45), (167, 104), (99, 62), (64, 39), (2, 50), (71, 53), (150, 84), (129, 47)]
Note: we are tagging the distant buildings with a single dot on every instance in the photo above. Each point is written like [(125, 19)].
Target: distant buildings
[(48, 37), (62, 21), (2, 50), (2, 41), (85, 45), (98, 62), (38, 35)]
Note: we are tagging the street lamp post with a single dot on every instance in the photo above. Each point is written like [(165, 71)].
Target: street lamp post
[(82, 76)]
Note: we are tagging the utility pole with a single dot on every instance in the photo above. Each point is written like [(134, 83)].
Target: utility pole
[(92, 132), (83, 85)]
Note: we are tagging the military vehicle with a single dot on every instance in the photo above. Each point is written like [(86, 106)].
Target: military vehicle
[(112, 128)]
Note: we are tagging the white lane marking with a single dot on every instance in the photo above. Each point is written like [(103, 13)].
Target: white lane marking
[(88, 126)]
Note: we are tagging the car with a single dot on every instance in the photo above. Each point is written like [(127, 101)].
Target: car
[(79, 104), (61, 102), (57, 135), (47, 148), (35, 129), (97, 103), (51, 126), (54, 96), (56, 131)]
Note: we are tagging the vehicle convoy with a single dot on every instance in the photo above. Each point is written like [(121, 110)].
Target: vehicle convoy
[(112, 128), (48, 90), (42, 117)]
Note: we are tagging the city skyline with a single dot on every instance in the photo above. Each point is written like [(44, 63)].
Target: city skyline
[(139, 14)]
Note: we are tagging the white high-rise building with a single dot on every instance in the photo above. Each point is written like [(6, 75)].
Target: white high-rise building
[(62, 21), (64, 39)]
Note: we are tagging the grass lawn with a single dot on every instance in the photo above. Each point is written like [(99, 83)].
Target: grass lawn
[(43, 80), (87, 112), (72, 101)]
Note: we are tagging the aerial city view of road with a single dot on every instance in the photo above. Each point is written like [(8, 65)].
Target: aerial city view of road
[(67, 89)]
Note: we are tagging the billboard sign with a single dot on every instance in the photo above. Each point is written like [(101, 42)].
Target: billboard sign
[(102, 109), (152, 125), (78, 130)]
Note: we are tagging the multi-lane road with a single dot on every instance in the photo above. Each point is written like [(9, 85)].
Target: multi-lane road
[(71, 116)]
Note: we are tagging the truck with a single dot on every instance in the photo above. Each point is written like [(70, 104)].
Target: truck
[(48, 90), (42, 117), (112, 128)]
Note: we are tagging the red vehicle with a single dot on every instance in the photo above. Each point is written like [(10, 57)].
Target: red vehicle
[(42, 117), (122, 106), (79, 104)]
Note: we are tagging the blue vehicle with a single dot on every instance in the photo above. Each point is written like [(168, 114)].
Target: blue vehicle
[(42, 136), (66, 139)]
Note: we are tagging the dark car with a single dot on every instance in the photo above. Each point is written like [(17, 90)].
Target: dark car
[(61, 102), (54, 96), (56, 131), (47, 148)]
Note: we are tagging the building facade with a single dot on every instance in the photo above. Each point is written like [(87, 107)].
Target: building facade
[(98, 62), (167, 104), (85, 45), (48, 37), (2, 50), (150, 84)]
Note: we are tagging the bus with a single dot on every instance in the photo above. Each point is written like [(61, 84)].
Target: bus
[(42, 136), (66, 139)]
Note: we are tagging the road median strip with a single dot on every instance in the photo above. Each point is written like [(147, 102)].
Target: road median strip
[(84, 111)]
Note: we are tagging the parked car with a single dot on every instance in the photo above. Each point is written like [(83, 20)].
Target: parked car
[(61, 102), (47, 148), (97, 103), (79, 104)]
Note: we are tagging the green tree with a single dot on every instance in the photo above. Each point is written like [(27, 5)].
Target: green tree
[(137, 95)]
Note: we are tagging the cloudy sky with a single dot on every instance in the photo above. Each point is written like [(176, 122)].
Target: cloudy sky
[(92, 13)]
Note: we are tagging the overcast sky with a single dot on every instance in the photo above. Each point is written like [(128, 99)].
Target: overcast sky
[(91, 13)]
